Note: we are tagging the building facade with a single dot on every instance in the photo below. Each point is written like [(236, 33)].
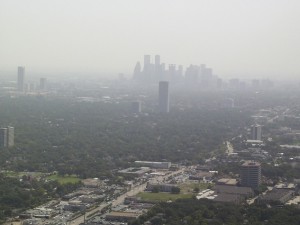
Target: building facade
[(256, 132), (7, 136), (21, 76), (251, 174), (163, 97)]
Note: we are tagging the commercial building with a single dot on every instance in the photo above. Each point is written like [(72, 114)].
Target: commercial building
[(3, 137), (251, 174), (154, 165), (134, 172), (7, 137), (122, 216), (136, 107), (256, 132), (21, 76), (277, 196), (43, 83), (163, 97), (10, 136), (161, 187)]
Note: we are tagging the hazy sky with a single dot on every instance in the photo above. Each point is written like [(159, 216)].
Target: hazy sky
[(249, 38)]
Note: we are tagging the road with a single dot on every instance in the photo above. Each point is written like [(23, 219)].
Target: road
[(135, 190), (229, 148), (117, 201)]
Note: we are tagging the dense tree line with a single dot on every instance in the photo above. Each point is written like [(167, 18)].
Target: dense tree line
[(206, 212), (90, 139), (17, 194)]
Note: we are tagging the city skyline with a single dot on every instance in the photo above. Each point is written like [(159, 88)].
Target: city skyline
[(245, 39)]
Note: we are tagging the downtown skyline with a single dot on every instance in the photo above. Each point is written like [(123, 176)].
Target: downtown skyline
[(243, 39)]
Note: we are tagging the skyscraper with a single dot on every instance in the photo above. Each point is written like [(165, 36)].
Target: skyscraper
[(163, 97), (146, 61), (3, 137), (251, 174), (136, 107), (157, 60), (43, 83), (137, 71), (7, 137), (10, 136), (21, 74), (256, 132)]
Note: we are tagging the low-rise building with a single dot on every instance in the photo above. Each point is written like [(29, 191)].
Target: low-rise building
[(161, 187), (154, 165), (122, 216), (277, 196)]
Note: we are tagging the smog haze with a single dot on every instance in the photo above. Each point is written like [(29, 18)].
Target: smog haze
[(246, 39)]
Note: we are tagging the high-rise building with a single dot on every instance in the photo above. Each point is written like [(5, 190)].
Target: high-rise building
[(43, 83), (256, 132), (21, 75), (137, 71), (251, 174), (147, 61), (10, 136), (7, 137), (136, 107), (163, 97), (157, 60), (3, 137)]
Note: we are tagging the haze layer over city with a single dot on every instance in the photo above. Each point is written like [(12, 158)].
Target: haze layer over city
[(244, 39), (149, 112)]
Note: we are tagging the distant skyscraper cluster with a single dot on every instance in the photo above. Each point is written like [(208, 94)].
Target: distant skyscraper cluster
[(193, 76), (7, 137), (23, 87), (157, 71)]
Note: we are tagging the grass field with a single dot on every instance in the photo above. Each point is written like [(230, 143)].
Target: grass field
[(64, 179), (162, 196)]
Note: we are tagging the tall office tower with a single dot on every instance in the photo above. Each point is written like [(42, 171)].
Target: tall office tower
[(136, 107), (180, 71), (3, 137), (43, 83), (157, 60), (146, 61), (251, 174), (163, 97), (137, 71), (192, 74), (256, 132), (147, 71), (21, 74), (10, 136)]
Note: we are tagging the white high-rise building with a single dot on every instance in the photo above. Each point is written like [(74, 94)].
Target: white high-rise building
[(10, 136)]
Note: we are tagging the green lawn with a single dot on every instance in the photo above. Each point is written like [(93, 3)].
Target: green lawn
[(64, 179), (162, 196), (10, 173)]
